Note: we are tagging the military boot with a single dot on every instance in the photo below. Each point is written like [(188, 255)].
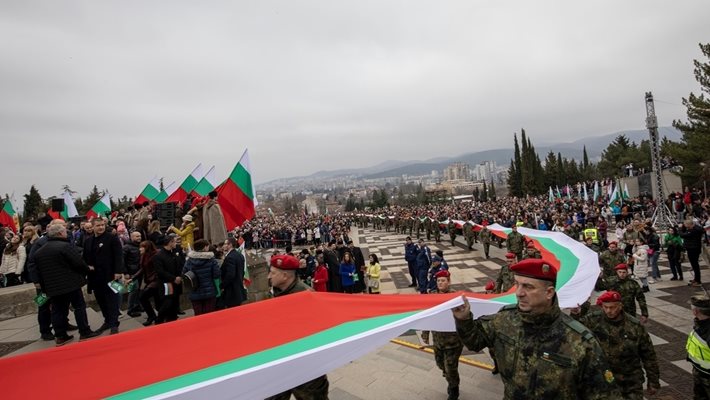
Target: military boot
[(453, 393)]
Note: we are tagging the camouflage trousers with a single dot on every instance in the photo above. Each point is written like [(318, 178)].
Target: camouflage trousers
[(316, 389), (701, 385), (630, 389), (469, 241), (453, 239), (448, 362)]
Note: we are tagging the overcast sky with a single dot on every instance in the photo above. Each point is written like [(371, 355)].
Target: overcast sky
[(113, 92)]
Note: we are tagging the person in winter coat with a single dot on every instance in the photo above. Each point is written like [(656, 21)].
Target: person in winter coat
[(320, 276), (202, 263), (186, 232), (61, 273), (654, 244), (347, 271), (692, 235), (167, 268), (674, 249), (640, 255), (131, 262), (13, 261), (233, 291), (150, 283), (373, 275), (215, 232)]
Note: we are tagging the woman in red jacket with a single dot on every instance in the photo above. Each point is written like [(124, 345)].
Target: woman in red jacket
[(320, 276)]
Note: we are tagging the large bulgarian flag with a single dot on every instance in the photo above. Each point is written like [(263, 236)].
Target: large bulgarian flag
[(150, 192), (8, 216), (166, 192), (101, 208), (236, 196), (187, 186), (260, 349), (207, 184)]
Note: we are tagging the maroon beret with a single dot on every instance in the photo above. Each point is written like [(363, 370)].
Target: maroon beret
[(535, 268)]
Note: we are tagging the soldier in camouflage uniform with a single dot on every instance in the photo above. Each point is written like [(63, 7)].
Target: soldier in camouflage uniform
[(451, 227), (515, 243), (626, 344), (468, 234), (531, 251), (427, 226), (541, 352), (629, 289), (447, 345), (437, 230), (486, 240), (410, 224), (697, 346), (284, 281), (506, 279), (610, 258), (589, 242), (417, 225)]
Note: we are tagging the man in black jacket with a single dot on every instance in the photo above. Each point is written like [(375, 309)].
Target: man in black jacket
[(61, 274), (330, 256), (692, 235), (103, 252), (168, 270), (131, 263), (233, 293)]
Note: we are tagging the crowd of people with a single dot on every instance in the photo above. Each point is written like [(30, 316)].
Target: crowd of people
[(134, 253)]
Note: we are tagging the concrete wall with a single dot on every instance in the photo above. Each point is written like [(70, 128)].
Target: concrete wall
[(671, 183)]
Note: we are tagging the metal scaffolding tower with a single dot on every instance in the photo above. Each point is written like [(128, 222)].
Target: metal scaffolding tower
[(662, 219)]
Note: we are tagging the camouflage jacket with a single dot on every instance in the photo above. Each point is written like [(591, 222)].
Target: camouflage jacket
[(630, 292), (505, 279), (468, 230), (485, 236), (609, 260), (515, 242), (295, 287), (444, 340), (627, 347), (546, 356), (451, 228)]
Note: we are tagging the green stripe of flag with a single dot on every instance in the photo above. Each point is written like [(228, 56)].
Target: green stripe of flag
[(316, 340), (242, 178)]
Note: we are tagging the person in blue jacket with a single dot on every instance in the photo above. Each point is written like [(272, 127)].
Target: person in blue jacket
[(423, 263), (347, 271)]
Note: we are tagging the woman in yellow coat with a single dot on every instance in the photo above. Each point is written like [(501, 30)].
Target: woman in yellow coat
[(186, 232), (373, 275)]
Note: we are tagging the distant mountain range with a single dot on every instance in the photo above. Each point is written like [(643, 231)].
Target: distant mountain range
[(393, 168)]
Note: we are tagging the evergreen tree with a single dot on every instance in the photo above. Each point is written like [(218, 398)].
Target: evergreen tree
[(33, 204), (93, 197), (561, 175), (492, 190), (515, 171), (550, 171), (484, 193), (694, 147), (476, 194)]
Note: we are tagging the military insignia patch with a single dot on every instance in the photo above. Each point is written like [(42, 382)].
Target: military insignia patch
[(608, 376), (545, 269), (279, 262)]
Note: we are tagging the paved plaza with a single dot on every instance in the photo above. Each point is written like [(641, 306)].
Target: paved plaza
[(397, 371)]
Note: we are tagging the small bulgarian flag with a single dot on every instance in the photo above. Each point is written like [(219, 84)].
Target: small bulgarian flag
[(246, 281), (207, 184), (167, 191), (101, 208), (69, 207), (8, 215), (150, 192), (237, 196), (187, 186)]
